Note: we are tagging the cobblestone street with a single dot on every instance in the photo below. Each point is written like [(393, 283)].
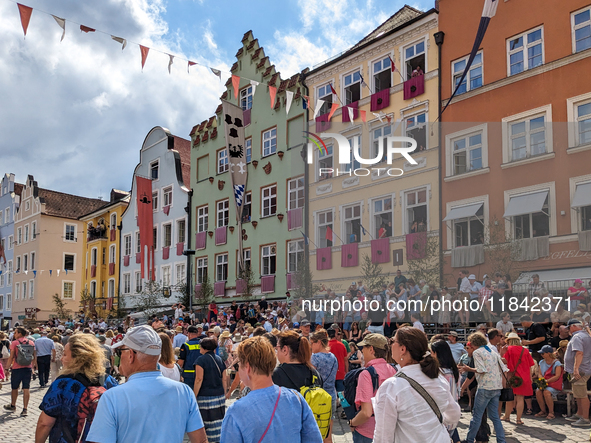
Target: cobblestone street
[(17, 429)]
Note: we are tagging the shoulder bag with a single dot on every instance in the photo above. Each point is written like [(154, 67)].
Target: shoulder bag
[(272, 416), (514, 380), (423, 393), (506, 393)]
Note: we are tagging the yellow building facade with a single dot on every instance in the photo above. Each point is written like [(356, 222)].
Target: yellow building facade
[(390, 200), (102, 247)]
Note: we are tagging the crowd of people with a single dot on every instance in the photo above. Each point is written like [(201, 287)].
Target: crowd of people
[(298, 370)]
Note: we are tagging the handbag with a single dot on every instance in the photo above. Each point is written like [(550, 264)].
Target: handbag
[(506, 393), (514, 380), (5, 351)]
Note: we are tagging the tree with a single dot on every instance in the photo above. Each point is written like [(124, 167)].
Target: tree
[(205, 295), (88, 302), (183, 296), (372, 274), (429, 264), (60, 308), (248, 276), (148, 301), (302, 280), (503, 251)]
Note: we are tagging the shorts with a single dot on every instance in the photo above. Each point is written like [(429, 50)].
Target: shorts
[(340, 385), (21, 375), (579, 386), (553, 391)]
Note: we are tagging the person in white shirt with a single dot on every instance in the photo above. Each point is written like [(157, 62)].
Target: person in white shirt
[(504, 325), (457, 349), (464, 294), (416, 322), (402, 414)]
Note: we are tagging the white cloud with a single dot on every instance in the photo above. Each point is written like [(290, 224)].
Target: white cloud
[(80, 110)]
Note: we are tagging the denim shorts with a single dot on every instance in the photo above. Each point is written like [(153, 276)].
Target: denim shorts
[(340, 385), (21, 375)]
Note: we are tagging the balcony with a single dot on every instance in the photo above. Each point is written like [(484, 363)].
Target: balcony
[(98, 233)]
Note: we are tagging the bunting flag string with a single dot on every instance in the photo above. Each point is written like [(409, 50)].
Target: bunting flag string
[(254, 85), (62, 24), (363, 116), (86, 29), (189, 64), (235, 84), (272, 93), (25, 13), (217, 72), (351, 114), (333, 109), (319, 104), (120, 40)]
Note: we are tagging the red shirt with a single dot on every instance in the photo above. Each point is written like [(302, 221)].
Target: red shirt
[(340, 352)]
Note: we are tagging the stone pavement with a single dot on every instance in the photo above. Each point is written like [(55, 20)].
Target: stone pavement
[(17, 429)]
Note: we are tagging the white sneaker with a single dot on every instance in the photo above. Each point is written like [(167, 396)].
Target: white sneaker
[(581, 423), (573, 417)]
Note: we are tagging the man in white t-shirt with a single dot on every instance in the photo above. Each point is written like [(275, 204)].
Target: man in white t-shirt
[(464, 294), (457, 349), (504, 325)]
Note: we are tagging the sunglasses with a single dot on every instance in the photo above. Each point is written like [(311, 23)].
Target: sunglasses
[(119, 351)]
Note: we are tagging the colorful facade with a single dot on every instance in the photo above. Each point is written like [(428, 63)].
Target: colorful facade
[(375, 210), (102, 243), (517, 138), (48, 251), (273, 213)]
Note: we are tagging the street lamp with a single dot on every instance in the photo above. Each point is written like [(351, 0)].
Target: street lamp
[(188, 253)]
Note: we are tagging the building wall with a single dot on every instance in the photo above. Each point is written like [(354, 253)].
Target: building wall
[(337, 192), (270, 169), (156, 148), (546, 88), (8, 207)]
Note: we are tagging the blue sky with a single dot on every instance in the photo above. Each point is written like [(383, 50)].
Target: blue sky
[(79, 110)]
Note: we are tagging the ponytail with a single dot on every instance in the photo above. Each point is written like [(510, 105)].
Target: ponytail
[(299, 347)]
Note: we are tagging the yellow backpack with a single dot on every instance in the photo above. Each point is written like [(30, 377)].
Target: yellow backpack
[(320, 402)]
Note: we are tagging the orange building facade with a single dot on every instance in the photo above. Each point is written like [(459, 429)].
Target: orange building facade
[(516, 142)]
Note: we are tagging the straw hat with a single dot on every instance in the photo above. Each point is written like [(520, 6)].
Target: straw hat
[(225, 335)]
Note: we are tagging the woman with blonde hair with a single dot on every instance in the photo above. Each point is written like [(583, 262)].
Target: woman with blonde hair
[(109, 334), (167, 363), (83, 368)]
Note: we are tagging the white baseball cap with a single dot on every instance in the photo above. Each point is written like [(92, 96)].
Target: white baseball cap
[(471, 277), (142, 339)]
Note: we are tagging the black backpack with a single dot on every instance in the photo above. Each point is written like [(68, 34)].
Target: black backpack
[(351, 380)]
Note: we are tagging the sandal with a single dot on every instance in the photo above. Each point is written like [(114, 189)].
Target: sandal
[(508, 420), (529, 412), (550, 417), (519, 422), (540, 414)]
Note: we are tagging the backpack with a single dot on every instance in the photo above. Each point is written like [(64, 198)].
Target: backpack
[(351, 380), (24, 353), (320, 403), (86, 410)]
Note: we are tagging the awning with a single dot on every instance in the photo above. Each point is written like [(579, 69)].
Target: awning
[(582, 196), (463, 212), (568, 275), (526, 204)]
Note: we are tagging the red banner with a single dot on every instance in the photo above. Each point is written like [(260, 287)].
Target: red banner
[(25, 13), (145, 215)]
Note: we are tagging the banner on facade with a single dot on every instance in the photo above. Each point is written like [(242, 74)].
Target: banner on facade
[(234, 128), (145, 222)]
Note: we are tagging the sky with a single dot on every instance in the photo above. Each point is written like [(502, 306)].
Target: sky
[(74, 114)]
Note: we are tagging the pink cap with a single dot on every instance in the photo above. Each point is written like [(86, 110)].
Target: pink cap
[(578, 280)]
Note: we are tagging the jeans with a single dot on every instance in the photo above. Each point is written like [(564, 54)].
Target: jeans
[(376, 329), (43, 365), (358, 438), (489, 401)]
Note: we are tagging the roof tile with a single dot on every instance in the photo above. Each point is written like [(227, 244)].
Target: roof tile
[(234, 67), (251, 44), (59, 204), (268, 71), (282, 85), (205, 137), (194, 130), (183, 147), (261, 64), (257, 53), (246, 35), (239, 53), (218, 109), (214, 133), (210, 122), (224, 95)]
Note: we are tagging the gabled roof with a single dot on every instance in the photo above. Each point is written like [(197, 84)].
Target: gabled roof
[(183, 147), (403, 15), (59, 204), (18, 188)]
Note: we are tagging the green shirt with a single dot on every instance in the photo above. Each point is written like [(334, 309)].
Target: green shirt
[(363, 325), (346, 343)]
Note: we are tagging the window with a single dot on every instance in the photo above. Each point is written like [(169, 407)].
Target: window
[(32, 261), (247, 207), (104, 256), (138, 282), (180, 273), (416, 127), (127, 245), (31, 289), (26, 233), (2, 279), (583, 116), (246, 260), (380, 136), (269, 142), (27, 205), (180, 231), (325, 160), (532, 225), (269, 200), (154, 170), (10, 242), (202, 218), (33, 230), (155, 237), (166, 275), (93, 288), (221, 268), (324, 222), (467, 153), (25, 293), (127, 283), (382, 74), (138, 243), (416, 210), (355, 145), (112, 254), (295, 189), (473, 79), (246, 98), (268, 261), (525, 51), (18, 264), (414, 59), (155, 201), (7, 215), (248, 143), (70, 232), (167, 195), (382, 217), (295, 255), (68, 290), (469, 231), (8, 302), (223, 160), (581, 26), (325, 94), (69, 262), (93, 257), (9, 274), (201, 269), (17, 291), (167, 235), (223, 213), (352, 219), (1, 302), (585, 218), (528, 138), (25, 262), (113, 223), (352, 84), (19, 236)]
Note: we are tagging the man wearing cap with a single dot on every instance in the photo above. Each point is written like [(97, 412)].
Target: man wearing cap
[(65, 338), (577, 362), (45, 352), (375, 349), (179, 337), (305, 327), (190, 351), (535, 336), (149, 406), (457, 349)]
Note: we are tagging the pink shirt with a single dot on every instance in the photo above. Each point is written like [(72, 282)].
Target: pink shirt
[(13, 345), (365, 391)]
